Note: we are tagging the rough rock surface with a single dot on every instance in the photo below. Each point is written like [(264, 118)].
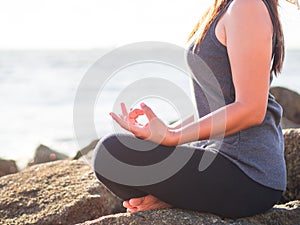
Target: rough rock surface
[(61, 192), (288, 214), (44, 154), (7, 167), (292, 158), (290, 102)]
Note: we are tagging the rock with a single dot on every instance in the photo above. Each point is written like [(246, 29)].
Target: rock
[(290, 102), (7, 167), (288, 214), (286, 123), (45, 154), (292, 158), (86, 149), (61, 192)]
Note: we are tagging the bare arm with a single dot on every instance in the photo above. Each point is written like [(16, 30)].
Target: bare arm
[(185, 122)]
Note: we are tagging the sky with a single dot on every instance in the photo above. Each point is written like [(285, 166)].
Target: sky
[(86, 24)]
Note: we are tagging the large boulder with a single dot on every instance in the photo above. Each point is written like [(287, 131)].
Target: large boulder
[(290, 102), (292, 158), (288, 214), (7, 167), (61, 192), (45, 154)]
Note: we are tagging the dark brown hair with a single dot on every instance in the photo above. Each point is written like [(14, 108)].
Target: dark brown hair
[(205, 22)]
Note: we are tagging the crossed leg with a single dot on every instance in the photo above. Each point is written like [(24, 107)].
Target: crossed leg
[(221, 189)]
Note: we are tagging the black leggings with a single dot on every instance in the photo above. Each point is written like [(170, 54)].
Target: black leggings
[(221, 189)]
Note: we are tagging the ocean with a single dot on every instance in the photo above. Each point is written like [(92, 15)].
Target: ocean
[(38, 89)]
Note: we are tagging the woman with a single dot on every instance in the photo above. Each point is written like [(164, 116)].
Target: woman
[(240, 40)]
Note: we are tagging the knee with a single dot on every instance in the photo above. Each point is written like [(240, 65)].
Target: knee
[(104, 143), (114, 144)]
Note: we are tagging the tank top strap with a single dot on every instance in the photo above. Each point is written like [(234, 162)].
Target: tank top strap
[(214, 23)]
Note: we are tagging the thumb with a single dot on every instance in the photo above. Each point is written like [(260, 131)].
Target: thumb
[(148, 111)]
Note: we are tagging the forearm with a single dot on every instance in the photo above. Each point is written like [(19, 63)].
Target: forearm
[(222, 122), (185, 122)]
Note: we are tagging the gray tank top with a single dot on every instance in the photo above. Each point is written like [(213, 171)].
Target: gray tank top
[(259, 150)]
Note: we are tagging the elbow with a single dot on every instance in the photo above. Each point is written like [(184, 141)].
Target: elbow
[(258, 120), (256, 116)]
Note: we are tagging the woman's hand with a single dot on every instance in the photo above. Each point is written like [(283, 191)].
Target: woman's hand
[(154, 130)]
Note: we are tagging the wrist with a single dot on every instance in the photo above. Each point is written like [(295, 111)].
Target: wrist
[(173, 137)]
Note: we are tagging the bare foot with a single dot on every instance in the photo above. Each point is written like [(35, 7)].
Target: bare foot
[(145, 203)]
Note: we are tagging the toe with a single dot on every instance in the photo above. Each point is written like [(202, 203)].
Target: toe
[(126, 204)]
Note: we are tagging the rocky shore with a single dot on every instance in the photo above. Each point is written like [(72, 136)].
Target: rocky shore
[(58, 189)]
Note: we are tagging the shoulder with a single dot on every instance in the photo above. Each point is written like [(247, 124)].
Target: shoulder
[(250, 16), (248, 9), (247, 5)]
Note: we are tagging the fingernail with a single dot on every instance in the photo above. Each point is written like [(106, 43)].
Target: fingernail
[(110, 113), (143, 104)]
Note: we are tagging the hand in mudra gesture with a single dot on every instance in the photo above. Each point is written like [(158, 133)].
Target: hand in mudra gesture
[(154, 130)]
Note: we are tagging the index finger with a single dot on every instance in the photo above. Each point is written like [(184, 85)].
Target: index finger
[(120, 121)]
